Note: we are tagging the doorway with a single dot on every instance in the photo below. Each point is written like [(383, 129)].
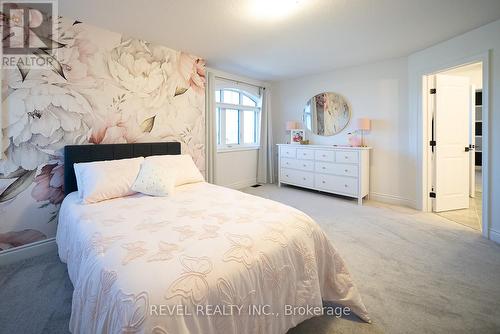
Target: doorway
[(454, 107)]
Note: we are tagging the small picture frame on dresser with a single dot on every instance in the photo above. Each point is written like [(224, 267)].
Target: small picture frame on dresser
[(297, 136)]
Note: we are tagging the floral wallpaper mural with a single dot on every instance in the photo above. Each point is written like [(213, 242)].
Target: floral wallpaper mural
[(102, 88)]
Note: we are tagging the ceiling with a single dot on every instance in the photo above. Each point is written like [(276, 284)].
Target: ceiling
[(292, 38)]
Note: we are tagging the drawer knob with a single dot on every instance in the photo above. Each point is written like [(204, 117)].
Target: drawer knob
[(345, 157), (304, 165), (304, 178), (324, 167), (345, 170), (324, 156), (303, 153), (345, 185), (287, 175), (323, 182)]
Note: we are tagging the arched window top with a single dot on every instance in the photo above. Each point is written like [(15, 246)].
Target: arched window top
[(236, 97)]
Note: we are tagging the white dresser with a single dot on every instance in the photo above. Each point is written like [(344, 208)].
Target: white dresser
[(333, 169)]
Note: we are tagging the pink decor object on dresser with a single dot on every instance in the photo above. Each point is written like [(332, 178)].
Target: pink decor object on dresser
[(354, 140)]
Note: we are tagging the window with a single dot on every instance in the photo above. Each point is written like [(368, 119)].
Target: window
[(308, 116), (238, 119)]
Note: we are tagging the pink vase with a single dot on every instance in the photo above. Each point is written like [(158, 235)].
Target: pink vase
[(354, 141)]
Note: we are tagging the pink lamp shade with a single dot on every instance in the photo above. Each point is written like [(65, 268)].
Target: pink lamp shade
[(292, 125), (364, 124)]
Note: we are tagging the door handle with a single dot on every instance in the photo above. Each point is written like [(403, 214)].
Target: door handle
[(467, 149)]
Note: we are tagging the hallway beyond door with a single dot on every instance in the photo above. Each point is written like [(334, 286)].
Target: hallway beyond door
[(470, 217)]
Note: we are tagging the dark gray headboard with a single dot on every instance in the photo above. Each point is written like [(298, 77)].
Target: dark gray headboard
[(87, 153)]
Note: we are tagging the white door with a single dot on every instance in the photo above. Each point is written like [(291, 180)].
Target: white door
[(472, 141), (451, 128)]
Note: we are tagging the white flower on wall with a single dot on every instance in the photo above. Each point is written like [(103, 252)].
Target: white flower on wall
[(39, 121), (145, 70)]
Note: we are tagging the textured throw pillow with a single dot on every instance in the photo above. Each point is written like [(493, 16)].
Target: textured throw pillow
[(101, 180), (154, 179), (182, 166)]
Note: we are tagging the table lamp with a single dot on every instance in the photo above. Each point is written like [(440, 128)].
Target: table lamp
[(363, 124), (292, 125)]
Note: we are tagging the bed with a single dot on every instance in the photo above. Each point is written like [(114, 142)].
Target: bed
[(206, 260)]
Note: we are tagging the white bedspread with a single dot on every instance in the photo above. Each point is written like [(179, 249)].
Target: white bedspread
[(206, 260)]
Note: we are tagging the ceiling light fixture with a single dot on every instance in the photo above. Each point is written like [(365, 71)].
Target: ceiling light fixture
[(273, 9)]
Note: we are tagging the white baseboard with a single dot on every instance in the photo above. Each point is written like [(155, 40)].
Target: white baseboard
[(12, 255), (391, 199), (495, 236), (241, 184)]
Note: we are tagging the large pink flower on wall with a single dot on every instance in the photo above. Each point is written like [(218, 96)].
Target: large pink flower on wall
[(115, 128), (75, 57), (49, 184), (192, 70)]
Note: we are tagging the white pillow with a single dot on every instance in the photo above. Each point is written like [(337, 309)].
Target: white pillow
[(182, 166), (101, 180), (154, 179), (78, 183)]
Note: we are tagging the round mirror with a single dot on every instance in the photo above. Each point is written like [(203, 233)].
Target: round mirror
[(327, 114)]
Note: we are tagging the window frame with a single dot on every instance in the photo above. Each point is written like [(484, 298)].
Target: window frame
[(220, 108)]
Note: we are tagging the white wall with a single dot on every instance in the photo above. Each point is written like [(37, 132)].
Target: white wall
[(483, 40), (236, 169), (474, 72), (377, 91)]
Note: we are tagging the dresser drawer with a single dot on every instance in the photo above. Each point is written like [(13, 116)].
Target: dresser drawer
[(322, 155), (288, 163), (307, 165), (337, 169), (305, 154), (297, 177), (338, 184), (288, 152), (346, 157)]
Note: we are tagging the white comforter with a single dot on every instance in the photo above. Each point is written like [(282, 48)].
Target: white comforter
[(206, 260)]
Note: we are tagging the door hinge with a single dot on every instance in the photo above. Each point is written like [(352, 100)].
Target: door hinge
[(432, 194), (433, 91), (432, 143)]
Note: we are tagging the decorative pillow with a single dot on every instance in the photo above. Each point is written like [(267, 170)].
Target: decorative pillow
[(154, 179), (101, 180), (182, 166)]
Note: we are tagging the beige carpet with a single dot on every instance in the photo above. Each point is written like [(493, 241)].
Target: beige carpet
[(417, 272)]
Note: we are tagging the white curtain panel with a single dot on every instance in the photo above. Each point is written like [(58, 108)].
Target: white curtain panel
[(265, 158), (211, 131)]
